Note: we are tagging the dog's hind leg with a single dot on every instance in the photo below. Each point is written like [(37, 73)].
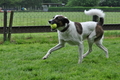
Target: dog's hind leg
[(91, 38), (90, 43), (99, 44)]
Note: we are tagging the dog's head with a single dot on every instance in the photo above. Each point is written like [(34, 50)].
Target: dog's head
[(60, 20)]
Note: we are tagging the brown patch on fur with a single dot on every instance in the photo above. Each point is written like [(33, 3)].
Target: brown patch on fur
[(78, 27), (99, 32)]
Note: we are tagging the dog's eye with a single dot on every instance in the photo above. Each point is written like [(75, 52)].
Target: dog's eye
[(56, 18)]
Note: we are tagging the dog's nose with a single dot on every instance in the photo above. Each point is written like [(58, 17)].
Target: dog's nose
[(50, 21)]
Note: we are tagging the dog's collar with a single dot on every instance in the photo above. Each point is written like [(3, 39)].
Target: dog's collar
[(65, 28)]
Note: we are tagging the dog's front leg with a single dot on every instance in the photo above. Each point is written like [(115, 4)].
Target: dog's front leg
[(81, 51), (60, 45)]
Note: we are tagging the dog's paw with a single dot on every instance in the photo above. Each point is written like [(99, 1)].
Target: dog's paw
[(44, 58), (79, 62), (107, 56), (84, 56)]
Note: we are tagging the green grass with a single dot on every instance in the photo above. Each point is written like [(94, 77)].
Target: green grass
[(41, 18), (22, 59)]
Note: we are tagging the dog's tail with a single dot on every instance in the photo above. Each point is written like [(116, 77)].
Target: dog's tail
[(97, 12)]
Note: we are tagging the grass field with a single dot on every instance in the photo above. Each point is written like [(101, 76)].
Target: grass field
[(21, 59), (41, 18)]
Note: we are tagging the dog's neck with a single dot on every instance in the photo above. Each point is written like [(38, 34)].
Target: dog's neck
[(63, 28)]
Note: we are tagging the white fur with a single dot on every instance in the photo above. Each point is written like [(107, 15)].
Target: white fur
[(97, 12), (71, 36)]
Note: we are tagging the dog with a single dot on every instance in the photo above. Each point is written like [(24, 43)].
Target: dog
[(75, 32)]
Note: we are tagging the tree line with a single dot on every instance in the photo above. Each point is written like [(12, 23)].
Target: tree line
[(69, 3)]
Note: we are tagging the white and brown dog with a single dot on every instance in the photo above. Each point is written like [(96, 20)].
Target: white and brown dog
[(75, 32)]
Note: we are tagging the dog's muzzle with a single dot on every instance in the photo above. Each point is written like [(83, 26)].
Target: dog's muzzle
[(52, 22)]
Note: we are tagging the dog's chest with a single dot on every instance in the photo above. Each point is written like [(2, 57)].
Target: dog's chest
[(70, 39)]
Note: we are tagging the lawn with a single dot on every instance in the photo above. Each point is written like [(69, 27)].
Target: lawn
[(41, 18), (22, 59)]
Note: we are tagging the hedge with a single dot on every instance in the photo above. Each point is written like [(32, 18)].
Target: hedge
[(52, 9)]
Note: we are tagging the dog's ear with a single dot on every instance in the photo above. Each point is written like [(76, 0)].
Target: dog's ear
[(66, 20)]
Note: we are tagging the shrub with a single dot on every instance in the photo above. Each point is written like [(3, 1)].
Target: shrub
[(52, 9)]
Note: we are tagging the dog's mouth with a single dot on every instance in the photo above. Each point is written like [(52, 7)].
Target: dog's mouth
[(52, 24)]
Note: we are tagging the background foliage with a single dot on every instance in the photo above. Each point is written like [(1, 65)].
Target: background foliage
[(38, 3), (110, 3), (83, 3)]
